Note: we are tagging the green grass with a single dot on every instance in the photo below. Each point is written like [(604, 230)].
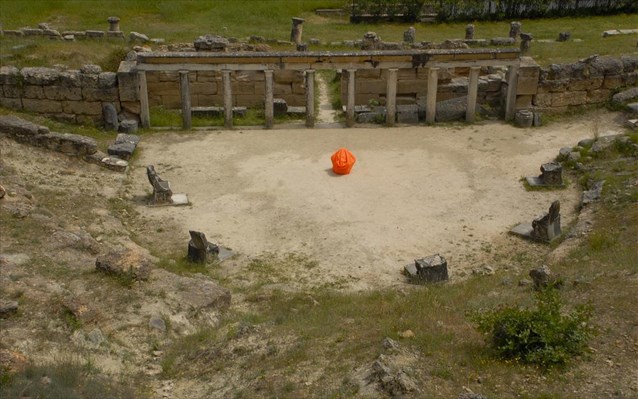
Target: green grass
[(185, 20)]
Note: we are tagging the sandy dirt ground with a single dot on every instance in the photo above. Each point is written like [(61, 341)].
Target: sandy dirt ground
[(414, 191)]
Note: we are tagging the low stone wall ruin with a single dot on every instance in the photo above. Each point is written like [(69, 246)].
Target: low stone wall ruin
[(74, 96), (587, 82), (84, 96)]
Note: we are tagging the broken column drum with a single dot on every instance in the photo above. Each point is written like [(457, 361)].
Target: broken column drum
[(429, 269), (409, 35), (526, 40), (515, 29), (162, 192), (469, 32), (114, 24), (547, 227), (296, 30), (199, 247)]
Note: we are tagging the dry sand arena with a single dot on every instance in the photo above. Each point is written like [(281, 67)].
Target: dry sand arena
[(413, 192)]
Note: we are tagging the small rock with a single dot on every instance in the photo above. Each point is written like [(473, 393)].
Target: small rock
[(406, 334), (157, 323), (389, 343), (135, 36), (3, 192), (8, 308)]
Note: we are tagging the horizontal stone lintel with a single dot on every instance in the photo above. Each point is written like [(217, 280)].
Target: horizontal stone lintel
[(318, 66), (330, 60)]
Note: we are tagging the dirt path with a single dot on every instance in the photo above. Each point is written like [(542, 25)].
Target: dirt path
[(326, 113), (414, 191)]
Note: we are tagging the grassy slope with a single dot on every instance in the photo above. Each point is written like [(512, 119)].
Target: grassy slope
[(183, 21)]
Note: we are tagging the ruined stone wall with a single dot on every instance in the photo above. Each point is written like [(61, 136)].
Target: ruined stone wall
[(587, 82), (412, 86), (74, 96)]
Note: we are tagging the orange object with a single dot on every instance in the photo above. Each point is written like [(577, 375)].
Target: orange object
[(342, 161)]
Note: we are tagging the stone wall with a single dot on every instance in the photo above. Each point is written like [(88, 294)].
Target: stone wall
[(587, 82), (74, 96), (412, 86)]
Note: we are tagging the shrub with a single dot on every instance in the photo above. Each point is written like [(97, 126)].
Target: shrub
[(543, 336)]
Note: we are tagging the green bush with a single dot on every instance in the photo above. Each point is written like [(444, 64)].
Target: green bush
[(543, 336)]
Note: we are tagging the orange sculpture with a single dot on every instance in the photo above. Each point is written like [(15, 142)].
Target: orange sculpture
[(342, 161)]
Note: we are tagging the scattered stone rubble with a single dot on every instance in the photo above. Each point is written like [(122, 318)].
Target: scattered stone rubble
[(124, 146), (71, 144)]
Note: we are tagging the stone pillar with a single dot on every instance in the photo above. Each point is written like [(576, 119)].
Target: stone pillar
[(145, 115), (391, 97), (512, 83), (297, 30), (515, 29), (185, 95), (471, 94), (351, 97), (433, 83), (268, 106), (469, 32), (310, 98), (114, 24), (228, 99)]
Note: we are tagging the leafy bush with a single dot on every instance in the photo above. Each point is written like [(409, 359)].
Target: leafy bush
[(542, 336)]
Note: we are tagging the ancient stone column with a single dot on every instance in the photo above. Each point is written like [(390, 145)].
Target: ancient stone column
[(351, 97), (297, 30), (515, 29), (268, 106), (184, 91), (144, 110), (469, 32), (310, 98), (409, 35), (510, 101), (114, 24), (228, 99), (433, 83), (391, 97), (526, 39), (471, 94)]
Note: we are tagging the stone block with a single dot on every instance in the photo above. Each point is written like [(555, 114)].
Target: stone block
[(527, 85), (613, 82), (82, 107), (408, 114), (370, 86), (208, 88), (39, 76), (12, 91), (42, 106), (62, 93), (288, 76), (105, 95), (367, 74), (131, 106), (12, 103), (163, 88), (598, 96), (280, 88), (205, 76), (14, 125), (128, 126), (107, 80), (31, 91), (524, 102), (122, 150), (524, 119), (569, 98), (70, 78), (209, 100), (170, 101), (10, 75), (249, 88), (280, 107), (542, 100), (429, 269), (585, 84), (298, 88), (451, 110), (414, 86), (630, 79)]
